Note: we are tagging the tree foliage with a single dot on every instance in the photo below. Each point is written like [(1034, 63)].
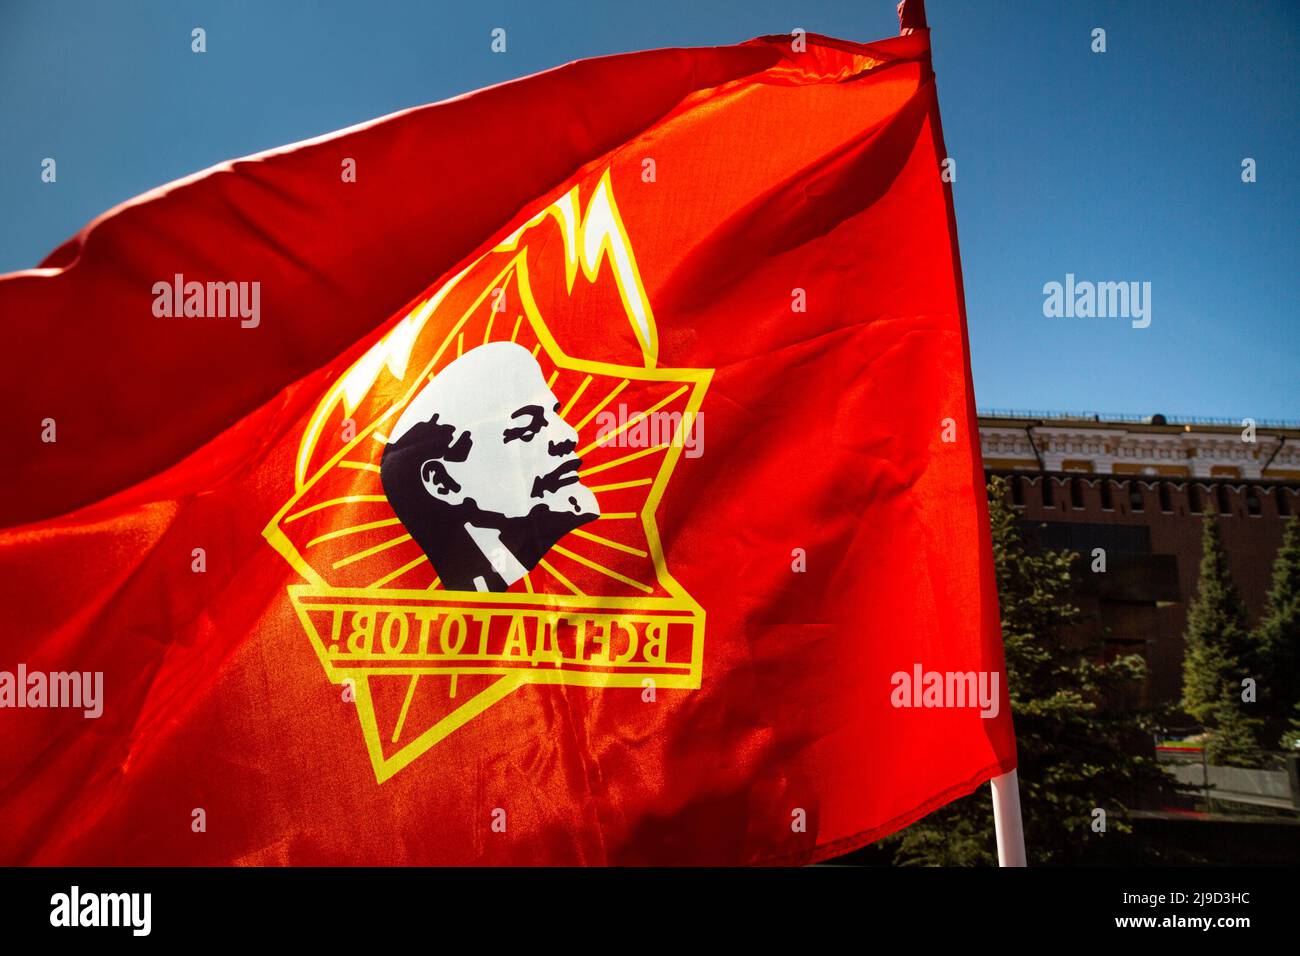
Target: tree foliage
[(1219, 653), (1278, 641)]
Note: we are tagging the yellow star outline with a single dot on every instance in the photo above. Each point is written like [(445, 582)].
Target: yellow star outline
[(319, 595)]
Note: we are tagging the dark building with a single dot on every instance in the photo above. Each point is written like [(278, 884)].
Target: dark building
[(1140, 490)]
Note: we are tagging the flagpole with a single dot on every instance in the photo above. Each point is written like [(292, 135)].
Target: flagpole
[(1008, 826), (911, 16)]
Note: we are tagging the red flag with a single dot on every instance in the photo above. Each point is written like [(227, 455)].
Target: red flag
[(581, 471)]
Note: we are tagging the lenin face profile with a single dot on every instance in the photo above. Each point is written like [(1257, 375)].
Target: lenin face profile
[(482, 470)]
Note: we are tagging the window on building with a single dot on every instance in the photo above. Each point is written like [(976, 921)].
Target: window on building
[(1221, 495), (1017, 491), (1135, 500), (1076, 493), (1252, 502), (1107, 502), (1049, 492), (1166, 505), (1283, 499), (1194, 502)]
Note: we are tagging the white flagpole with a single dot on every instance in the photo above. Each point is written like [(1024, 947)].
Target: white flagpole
[(1007, 825)]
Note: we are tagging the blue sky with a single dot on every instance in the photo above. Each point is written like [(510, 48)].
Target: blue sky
[(1117, 166)]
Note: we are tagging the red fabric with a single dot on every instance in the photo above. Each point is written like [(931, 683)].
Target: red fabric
[(774, 171)]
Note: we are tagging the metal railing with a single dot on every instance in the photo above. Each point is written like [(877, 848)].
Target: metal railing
[(1129, 418)]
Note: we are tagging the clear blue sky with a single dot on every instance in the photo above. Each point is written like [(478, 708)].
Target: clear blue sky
[(1119, 166)]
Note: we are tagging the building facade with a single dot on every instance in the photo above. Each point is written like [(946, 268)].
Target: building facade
[(1139, 490)]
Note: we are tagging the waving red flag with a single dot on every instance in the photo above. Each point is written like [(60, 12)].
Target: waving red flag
[(584, 470)]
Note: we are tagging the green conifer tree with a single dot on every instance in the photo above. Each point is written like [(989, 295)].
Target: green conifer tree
[(1219, 653), (1291, 737), (1278, 637)]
